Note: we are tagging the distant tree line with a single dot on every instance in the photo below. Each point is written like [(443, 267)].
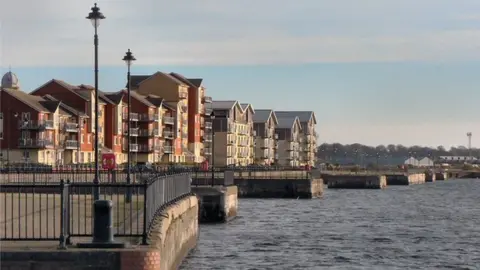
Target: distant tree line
[(359, 153)]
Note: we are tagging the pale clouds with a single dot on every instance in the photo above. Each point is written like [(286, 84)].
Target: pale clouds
[(55, 33)]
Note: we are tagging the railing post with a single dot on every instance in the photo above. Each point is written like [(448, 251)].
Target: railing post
[(63, 214), (67, 219), (145, 218)]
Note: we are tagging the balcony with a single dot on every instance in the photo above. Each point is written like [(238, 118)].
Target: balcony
[(148, 117), (231, 142), (168, 120), (168, 134), (207, 111), (35, 125), (71, 144), (133, 132), (207, 99), (231, 128), (167, 149), (182, 95), (207, 137), (35, 143), (207, 125), (133, 116), (148, 133), (266, 144), (133, 147), (149, 148), (207, 151), (70, 127), (185, 122)]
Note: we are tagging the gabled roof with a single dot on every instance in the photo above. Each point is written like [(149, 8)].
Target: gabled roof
[(155, 100), (197, 82), (123, 93), (116, 98), (67, 86), (262, 116), (182, 79), (136, 80), (224, 104), (77, 90), (303, 116), (247, 106), (66, 108), (35, 102), (288, 122)]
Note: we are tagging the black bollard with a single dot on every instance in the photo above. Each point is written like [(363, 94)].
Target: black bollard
[(102, 221), (102, 227)]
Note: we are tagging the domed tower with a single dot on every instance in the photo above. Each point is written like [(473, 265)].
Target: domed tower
[(10, 81)]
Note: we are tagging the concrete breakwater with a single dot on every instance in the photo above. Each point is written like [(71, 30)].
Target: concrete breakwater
[(440, 176), (265, 184), (430, 177), (217, 204), (405, 179), (279, 188), (352, 181), (173, 235)]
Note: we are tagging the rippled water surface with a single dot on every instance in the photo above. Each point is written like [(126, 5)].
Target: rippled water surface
[(430, 226)]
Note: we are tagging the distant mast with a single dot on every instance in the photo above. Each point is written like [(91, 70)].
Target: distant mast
[(469, 135)]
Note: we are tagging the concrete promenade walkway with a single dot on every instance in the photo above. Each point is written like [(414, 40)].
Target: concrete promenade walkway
[(39, 216)]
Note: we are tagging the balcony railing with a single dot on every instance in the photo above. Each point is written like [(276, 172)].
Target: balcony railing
[(207, 99), (182, 95), (207, 151), (148, 133), (148, 117), (34, 143), (133, 132), (133, 116), (70, 127), (168, 134), (149, 148), (168, 120), (168, 149), (208, 111), (71, 144), (208, 125), (33, 124), (133, 147), (207, 137)]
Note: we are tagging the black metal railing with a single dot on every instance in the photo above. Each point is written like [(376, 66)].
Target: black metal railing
[(74, 176), (31, 212)]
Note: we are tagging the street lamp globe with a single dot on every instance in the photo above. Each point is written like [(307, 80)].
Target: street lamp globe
[(129, 58), (95, 16)]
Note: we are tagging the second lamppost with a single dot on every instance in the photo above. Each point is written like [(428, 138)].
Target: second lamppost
[(128, 58), (95, 16)]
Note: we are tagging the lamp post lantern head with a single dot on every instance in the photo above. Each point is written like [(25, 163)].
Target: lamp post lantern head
[(95, 16), (129, 58)]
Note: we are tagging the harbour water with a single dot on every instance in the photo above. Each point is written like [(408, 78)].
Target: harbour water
[(430, 226)]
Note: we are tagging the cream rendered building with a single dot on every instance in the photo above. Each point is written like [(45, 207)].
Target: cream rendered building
[(307, 137), (289, 141), (232, 134), (264, 124)]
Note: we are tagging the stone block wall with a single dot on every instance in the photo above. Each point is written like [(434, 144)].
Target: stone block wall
[(173, 235)]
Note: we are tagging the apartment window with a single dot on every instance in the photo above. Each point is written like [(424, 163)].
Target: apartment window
[(89, 138), (26, 154), (89, 157), (197, 132), (1, 116), (81, 138)]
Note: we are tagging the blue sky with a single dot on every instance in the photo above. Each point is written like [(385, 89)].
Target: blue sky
[(377, 71)]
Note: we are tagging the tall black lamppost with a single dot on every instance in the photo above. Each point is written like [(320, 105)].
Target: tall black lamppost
[(212, 117), (128, 58), (95, 17)]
